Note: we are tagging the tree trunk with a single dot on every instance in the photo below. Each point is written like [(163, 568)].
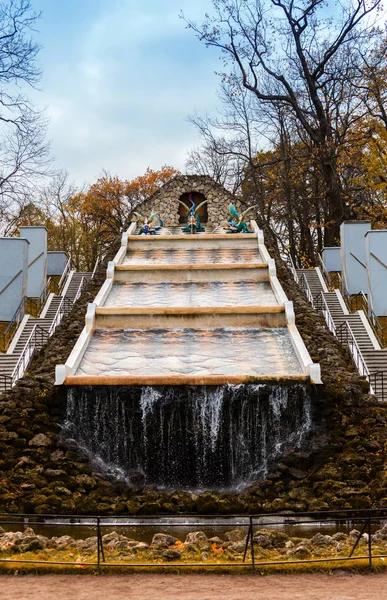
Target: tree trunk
[(317, 209), (335, 204)]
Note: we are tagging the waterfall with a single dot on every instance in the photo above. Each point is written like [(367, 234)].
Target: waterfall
[(207, 437)]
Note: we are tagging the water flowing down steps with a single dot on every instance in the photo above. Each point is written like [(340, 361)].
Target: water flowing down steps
[(189, 437), (189, 256), (202, 309), (365, 350), (201, 356), (191, 293)]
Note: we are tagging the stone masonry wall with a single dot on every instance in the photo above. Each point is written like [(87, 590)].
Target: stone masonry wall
[(165, 201)]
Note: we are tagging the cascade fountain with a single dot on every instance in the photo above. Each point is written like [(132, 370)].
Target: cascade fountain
[(190, 368), (217, 437)]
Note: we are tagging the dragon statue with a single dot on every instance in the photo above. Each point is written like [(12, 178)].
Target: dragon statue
[(236, 223), (193, 219), (147, 226)]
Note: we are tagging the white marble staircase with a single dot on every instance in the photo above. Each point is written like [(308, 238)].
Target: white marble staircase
[(368, 356), (33, 333)]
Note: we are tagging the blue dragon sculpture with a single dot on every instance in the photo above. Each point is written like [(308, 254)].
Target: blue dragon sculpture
[(236, 223), (193, 219), (147, 226)]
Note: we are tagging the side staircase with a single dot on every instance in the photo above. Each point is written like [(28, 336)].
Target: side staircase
[(352, 329), (75, 281), (33, 332)]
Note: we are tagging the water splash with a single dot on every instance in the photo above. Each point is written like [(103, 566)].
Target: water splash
[(190, 437), (148, 399)]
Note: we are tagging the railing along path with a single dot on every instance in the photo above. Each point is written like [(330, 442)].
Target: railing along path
[(366, 519)]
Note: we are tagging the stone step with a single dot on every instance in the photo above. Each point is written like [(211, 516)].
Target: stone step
[(208, 293), (203, 241), (377, 367), (190, 317), (176, 256), (191, 272), (167, 357), (374, 359), (6, 362)]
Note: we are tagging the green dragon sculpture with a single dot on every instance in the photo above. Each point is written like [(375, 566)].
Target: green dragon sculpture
[(193, 219), (147, 227), (236, 223)]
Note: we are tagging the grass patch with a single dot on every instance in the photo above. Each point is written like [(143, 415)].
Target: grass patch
[(51, 561)]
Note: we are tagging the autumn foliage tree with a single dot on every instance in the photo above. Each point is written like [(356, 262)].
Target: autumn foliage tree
[(84, 223), (316, 71), (143, 186)]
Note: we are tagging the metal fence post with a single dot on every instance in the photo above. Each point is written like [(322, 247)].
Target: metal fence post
[(98, 547), (252, 544), (247, 543), (358, 538), (369, 544)]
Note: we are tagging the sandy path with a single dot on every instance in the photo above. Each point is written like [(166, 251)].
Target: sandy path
[(194, 587)]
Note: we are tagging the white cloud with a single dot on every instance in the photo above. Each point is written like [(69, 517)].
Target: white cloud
[(119, 95), (54, 113), (92, 71)]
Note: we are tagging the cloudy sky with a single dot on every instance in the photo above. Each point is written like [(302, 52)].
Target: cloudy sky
[(119, 79)]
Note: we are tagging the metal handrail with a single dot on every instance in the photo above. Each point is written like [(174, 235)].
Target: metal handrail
[(336, 279), (43, 296), (27, 305), (378, 329), (34, 307), (304, 285), (354, 302), (289, 262), (321, 305), (53, 287), (318, 302), (95, 268), (345, 295), (325, 272), (36, 340), (379, 384), (64, 274), (7, 335), (79, 291), (33, 343), (345, 335), (360, 301), (64, 308), (293, 268), (30, 347), (7, 381), (344, 331), (24, 358)]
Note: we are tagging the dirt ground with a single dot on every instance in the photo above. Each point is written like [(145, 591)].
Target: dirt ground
[(340, 586)]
